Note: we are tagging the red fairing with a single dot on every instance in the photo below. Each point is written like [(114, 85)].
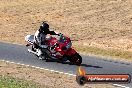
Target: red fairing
[(70, 52), (51, 42), (64, 43)]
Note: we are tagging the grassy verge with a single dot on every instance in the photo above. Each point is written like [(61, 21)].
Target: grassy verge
[(115, 53), (10, 82)]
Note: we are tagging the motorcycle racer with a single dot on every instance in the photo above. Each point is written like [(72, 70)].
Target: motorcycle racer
[(40, 37)]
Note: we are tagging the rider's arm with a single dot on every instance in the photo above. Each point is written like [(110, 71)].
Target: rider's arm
[(52, 33)]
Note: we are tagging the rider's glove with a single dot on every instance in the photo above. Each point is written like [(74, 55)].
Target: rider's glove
[(59, 34)]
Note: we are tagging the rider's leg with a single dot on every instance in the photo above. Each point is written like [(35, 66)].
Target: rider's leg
[(39, 52), (37, 49)]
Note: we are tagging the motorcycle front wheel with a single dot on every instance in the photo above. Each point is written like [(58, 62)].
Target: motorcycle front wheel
[(76, 59)]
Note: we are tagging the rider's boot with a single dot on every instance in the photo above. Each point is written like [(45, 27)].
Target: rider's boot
[(39, 53)]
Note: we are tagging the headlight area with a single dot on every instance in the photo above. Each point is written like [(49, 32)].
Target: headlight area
[(69, 45)]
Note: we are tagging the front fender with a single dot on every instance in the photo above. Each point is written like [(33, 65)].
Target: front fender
[(71, 52)]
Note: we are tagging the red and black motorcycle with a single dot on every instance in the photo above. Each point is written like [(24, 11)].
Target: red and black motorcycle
[(59, 47)]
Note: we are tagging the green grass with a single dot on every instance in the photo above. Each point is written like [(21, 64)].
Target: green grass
[(126, 55), (9, 82)]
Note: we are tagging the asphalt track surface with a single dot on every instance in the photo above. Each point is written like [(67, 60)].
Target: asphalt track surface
[(92, 65)]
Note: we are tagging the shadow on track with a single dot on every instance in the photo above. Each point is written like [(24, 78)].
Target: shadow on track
[(83, 65)]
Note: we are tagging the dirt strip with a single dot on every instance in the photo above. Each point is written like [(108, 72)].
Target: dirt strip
[(44, 77)]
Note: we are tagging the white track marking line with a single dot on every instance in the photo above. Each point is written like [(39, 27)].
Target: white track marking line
[(53, 71), (38, 67), (120, 86)]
